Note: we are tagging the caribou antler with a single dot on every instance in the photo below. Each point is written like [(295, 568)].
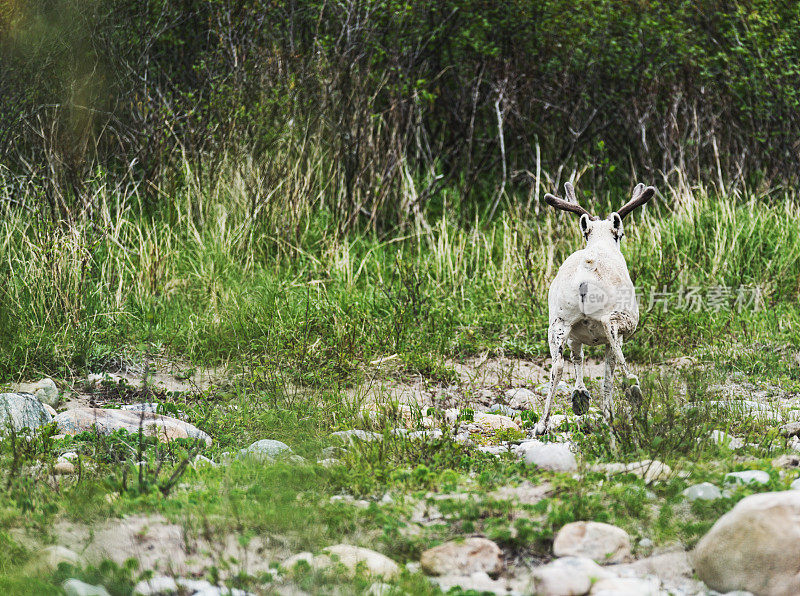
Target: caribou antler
[(571, 204), (641, 195)]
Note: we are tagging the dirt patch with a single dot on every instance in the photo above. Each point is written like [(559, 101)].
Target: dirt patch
[(166, 547)]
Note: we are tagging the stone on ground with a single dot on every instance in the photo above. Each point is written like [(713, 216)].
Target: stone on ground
[(106, 421), (21, 410), (353, 558), (521, 398), (754, 547), (719, 437), (463, 558), (44, 390), (265, 449), (156, 585), (354, 435), (478, 582), (75, 587), (705, 491), (758, 477), (491, 422), (550, 456), (627, 586), (50, 557), (600, 542), (651, 470), (63, 467), (568, 576), (673, 569)]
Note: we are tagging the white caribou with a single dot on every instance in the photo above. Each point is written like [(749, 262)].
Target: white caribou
[(592, 302)]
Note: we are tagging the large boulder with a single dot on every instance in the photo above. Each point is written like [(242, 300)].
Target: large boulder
[(754, 547), (600, 542), (463, 558), (21, 410), (106, 421)]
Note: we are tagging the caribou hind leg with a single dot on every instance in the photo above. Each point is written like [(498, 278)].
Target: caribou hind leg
[(580, 396), (557, 338)]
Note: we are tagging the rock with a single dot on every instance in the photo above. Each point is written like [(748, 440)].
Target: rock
[(721, 438), (754, 547), (645, 544), (329, 462), (524, 494), (704, 491), (493, 422), (495, 450), (63, 466), (558, 457), (743, 407), (95, 380), (463, 558), (650, 470), (791, 460), (201, 461), (352, 436), (795, 485), (424, 435), (106, 421), (758, 477), (149, 407), (21, 410), (626, 586), (163, 584), (45, 391), (355, 557), (569, 576), (303, 557), (600, 542), (50, 557), (790, 430), (522, 398), (265, 449), (381, 589), (75, 587), (156, 585), (561, 389), (478, 583), (674, 569), (50, 410), (502, 410)]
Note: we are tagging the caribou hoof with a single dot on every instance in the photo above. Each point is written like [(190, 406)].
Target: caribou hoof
[(634, 394), (580, 402)]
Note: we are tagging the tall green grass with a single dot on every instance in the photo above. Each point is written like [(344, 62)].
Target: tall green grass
[(231, 269)]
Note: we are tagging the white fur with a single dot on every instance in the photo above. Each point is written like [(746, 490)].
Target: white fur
[(592, 301)]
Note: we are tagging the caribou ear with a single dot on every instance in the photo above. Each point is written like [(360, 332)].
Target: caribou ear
[(585, 219), (616, 225)]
